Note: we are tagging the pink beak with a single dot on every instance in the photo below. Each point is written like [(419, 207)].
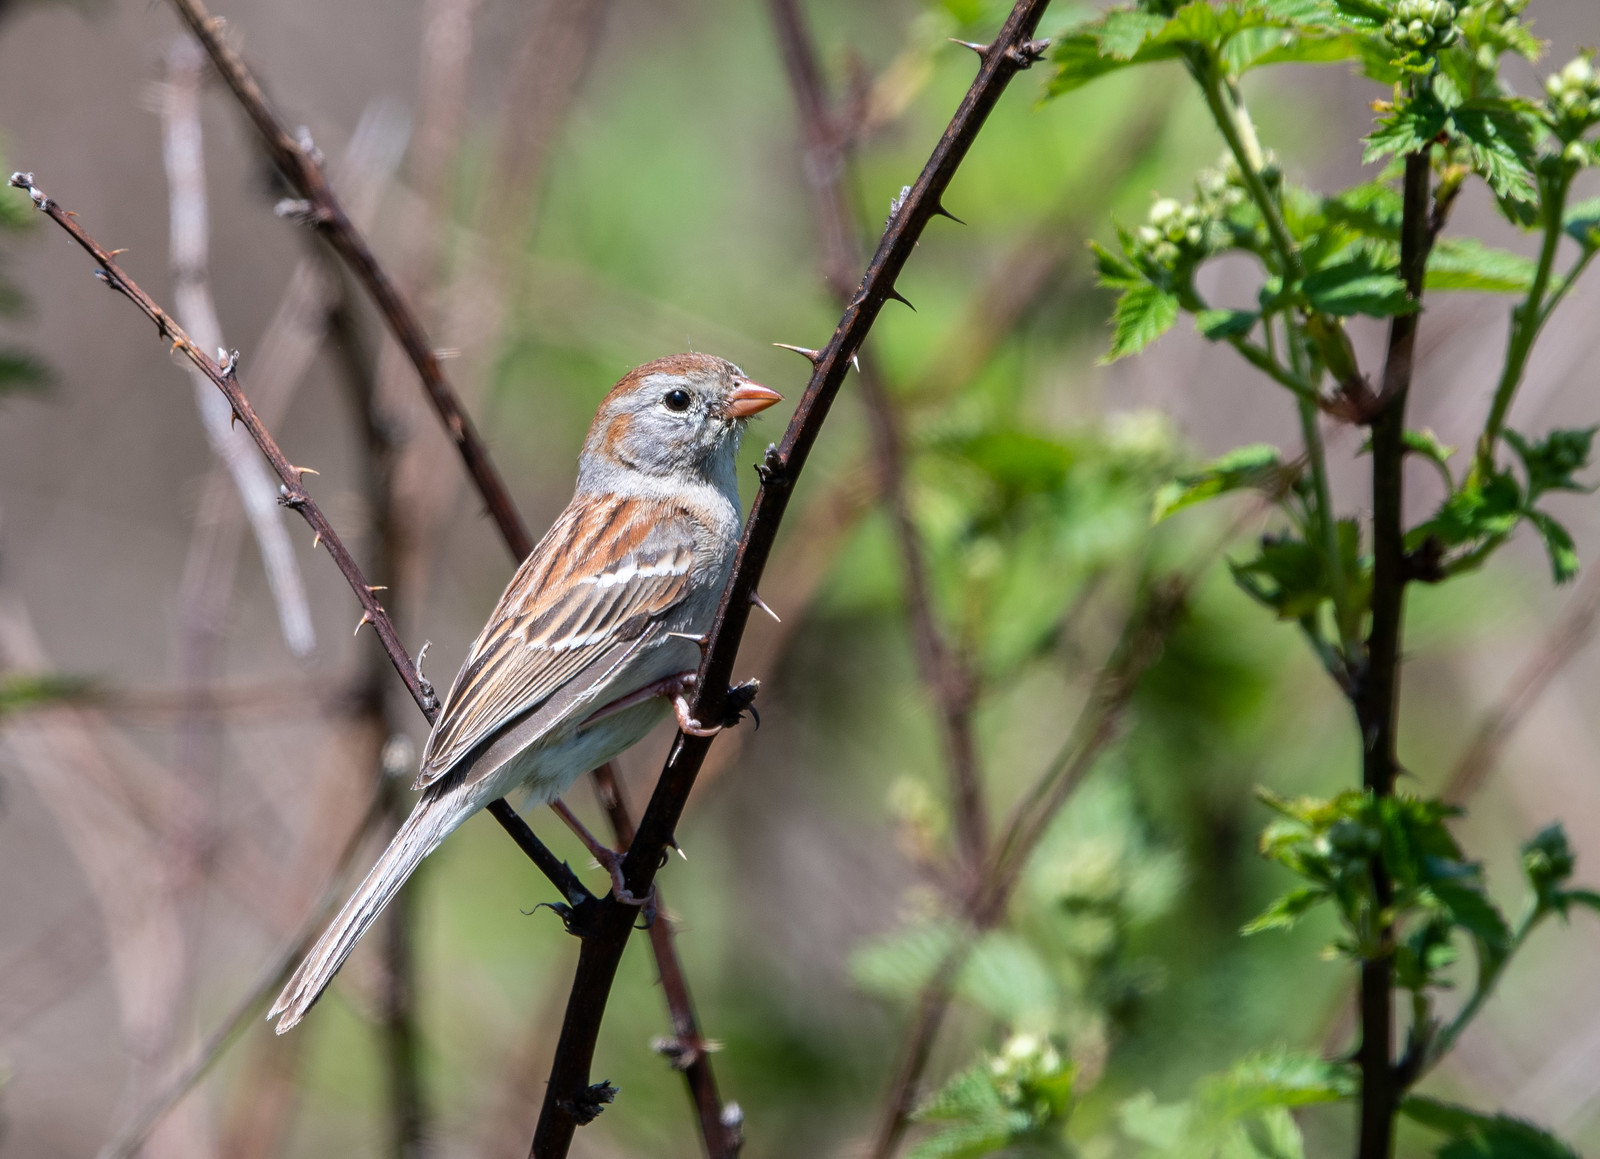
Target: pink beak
[(750, 398)]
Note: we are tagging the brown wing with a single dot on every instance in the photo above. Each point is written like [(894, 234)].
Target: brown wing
[(559, 614)]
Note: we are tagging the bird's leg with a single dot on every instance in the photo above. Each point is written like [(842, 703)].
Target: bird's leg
[(676, 687), (608, 858)]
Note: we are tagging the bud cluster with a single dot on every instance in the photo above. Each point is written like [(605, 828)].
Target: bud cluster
[(1175, 233), (1574, 98), (1423, 26), (1025, 1061)]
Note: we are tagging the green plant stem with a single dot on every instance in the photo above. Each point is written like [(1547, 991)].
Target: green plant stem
[(1526, 321), (1263, 360), (1228, 110)]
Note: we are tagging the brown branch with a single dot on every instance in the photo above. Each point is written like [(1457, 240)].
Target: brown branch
[(948, 677), (569, 1098), (721, 1126), (300, 163), (293, 495)]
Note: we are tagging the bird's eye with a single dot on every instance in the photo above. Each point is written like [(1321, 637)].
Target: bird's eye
[(676, 399)]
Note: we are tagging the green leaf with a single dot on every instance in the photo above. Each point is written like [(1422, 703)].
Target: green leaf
[(1220, 325), (1558, 545), (1143, 314), (1281, 1078), (1094, 50), (1465, 263), (1243, 54), (1551, 462), (1122, 32), (1582, 223), (1357, 283), (1287, 576), (1410, 128), (1257, 465), (1481, 510), (1478, 1136), (1500, 142), (1285, 912)]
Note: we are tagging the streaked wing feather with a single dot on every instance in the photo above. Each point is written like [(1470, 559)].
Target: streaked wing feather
[(562, 611)]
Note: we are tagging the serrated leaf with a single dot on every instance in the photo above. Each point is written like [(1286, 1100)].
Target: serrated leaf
[(1465, 263), (1278, 1079), (1410, 128), (1480, 510), (1554, 459), (1500, 143), (1357, 283), (1143, 314), (1122, 33)]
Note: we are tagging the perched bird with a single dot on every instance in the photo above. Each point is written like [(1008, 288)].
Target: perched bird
[(597, 633)]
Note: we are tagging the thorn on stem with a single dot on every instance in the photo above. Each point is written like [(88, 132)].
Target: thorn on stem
[(366, 618), (981, 49), (757, 601), (812, 356), (304, 470), (941, 211), (895, 295)]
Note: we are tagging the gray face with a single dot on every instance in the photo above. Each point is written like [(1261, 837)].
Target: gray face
[(677, 417)]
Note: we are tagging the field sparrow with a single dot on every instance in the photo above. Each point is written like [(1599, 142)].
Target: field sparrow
[(595, 635)]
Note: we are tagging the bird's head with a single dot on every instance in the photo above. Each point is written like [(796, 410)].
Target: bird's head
[(680, 415)]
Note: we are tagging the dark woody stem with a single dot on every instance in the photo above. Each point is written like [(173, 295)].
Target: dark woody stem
[(569, 1098)]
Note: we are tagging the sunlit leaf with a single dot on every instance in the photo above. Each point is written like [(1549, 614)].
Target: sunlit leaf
[(1143, 314), (1465, 263)]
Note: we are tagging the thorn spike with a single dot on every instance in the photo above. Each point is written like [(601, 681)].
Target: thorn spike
[(896, 295), (812, 356), (981, 49), (941, 211), (757, 601)]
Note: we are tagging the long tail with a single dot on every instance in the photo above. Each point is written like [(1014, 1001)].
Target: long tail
[(439, 811)]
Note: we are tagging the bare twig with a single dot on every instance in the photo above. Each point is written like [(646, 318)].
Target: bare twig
[(180, 116), (569, 1098), (300, 163), (293, 495), (948, 677)]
